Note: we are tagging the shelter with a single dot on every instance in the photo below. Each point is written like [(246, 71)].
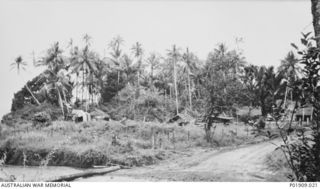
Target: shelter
[(304, 113), (98, 114), (80, 116), (181, 119)]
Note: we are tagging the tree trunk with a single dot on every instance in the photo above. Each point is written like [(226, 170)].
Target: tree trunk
[(175, 85), (82, 85), (151, 78), (61, 103), (315, 9), (76, 87), (189, 85), (32, 95)]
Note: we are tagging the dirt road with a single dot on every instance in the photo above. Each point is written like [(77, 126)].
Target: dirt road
[(245, 163)]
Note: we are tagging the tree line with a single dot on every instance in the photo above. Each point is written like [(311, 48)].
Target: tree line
[(222, 82)]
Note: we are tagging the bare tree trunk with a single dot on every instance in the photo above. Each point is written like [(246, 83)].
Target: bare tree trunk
[(82, 85), (151, 78), (175, 85), (76, 87), (189, 85), (61, 103), (32, 95), (315, 9)]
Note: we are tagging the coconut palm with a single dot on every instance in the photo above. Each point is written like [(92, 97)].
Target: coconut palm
[(116, 53), (291, 70), (189, 65), (138, 52), (53, 59), (174, 56), (290, 67), (84, 62), (56, 76), (18, 64), (154, 62), (58, 84)]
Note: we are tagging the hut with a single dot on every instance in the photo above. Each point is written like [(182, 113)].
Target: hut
[(304, 113), (80, 116), (182, 119), (98, 114)]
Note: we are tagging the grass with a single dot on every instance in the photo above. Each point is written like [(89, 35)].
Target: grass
[(101, 142)]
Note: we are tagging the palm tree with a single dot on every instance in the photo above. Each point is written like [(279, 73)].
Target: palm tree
[(174, 56), (85, 62), (116, 53), (138, 52), (187, 57), (290, 67), (19, 63), (58, 82), (154, 62), (53, 59), (291, 70), (56, 75)]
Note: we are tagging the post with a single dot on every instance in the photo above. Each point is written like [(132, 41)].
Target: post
[(173, 139), (152, 139), (237, 119)]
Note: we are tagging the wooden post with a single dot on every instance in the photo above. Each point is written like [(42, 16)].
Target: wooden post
[(222, 132), (173, 139), (152, 139), (237, 119), (160, 142)]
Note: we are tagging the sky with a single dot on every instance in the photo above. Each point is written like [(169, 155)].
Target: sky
[(266, 27)]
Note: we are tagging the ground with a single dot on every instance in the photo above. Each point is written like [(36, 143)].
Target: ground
[(156, 152), (244, 163)]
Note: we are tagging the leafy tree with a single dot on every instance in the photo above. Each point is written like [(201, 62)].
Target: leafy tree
[(303, 155), (220, 83), (315, 10)]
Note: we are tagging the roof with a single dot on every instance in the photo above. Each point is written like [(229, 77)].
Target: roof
[(305, 111), (96, 112), (184, 117), (245, 111)]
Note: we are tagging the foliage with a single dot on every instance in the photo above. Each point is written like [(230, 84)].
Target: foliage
[(303, 153), (149, 106)]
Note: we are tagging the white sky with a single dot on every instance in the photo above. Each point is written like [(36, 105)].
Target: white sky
[(267, 27)]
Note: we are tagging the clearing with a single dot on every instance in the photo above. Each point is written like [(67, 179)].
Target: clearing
[(242, 163)]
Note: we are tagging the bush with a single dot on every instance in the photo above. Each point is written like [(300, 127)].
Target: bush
[(149, 106)]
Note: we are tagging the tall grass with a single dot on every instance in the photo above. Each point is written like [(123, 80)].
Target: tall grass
[(100, 142)]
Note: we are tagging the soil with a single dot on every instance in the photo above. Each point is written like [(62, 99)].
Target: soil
[(242, 163)]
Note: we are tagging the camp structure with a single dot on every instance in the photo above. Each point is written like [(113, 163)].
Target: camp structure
[(98, 114), (181, 119), (80, 116), (304, 114)]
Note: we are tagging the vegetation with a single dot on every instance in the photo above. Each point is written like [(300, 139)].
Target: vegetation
[(142, 92), (302, 152), (86, 144)]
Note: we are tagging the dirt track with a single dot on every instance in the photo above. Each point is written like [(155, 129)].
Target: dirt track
[(245, 163)]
